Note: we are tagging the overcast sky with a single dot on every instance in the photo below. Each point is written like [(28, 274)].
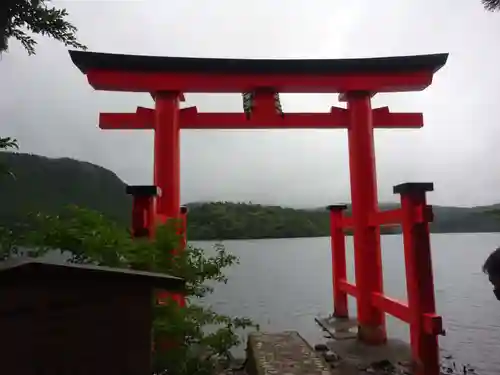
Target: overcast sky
[(47, 104)]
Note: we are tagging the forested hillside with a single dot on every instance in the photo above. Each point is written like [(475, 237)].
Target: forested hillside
[(47, 185)]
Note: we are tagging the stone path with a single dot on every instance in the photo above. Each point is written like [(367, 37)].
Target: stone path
[(284, 353)]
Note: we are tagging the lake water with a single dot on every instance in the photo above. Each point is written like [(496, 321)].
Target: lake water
[(284, 284)]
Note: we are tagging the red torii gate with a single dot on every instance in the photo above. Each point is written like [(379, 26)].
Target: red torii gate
[(357, 80)]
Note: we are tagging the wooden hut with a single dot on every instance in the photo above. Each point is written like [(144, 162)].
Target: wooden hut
[(68, 319)]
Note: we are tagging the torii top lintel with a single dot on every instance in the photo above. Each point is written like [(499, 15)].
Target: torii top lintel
[(135, 73)]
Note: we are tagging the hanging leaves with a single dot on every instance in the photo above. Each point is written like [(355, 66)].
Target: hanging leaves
[(25, 17)]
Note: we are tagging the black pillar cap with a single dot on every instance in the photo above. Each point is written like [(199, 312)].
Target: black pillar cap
[(143, 190), (413, 187), (184, 209), (337, 207)]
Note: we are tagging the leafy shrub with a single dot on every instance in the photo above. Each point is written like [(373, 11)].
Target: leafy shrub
[(198, 336)]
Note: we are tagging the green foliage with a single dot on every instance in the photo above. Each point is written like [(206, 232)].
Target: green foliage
[(36, 17), (491, 5), (494, 213), (202, 336), (7, 143)]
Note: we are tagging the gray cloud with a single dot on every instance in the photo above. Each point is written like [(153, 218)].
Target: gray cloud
[(48, 105)]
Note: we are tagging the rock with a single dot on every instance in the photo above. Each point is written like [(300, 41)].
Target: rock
[(320, 348), (330, 356), (383, 365)]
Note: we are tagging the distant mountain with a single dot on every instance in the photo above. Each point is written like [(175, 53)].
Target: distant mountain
[(44, 184), (454, 219), (47, 185)]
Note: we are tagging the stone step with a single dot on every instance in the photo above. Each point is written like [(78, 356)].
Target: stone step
[(284, 353)]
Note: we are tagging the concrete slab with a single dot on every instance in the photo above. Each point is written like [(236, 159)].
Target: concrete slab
[(339, 328), (354, 357), (357, 358)]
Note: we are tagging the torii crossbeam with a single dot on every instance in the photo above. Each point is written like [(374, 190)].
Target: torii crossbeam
[(190, 118)]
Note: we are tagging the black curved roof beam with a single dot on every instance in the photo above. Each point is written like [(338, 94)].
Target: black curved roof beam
[(276, 72)]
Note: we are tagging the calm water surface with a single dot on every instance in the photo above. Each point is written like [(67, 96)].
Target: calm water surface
[(283, 284)]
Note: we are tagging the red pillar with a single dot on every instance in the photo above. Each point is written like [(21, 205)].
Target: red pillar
[(339, 272), (142, 209), (367, 255), (167, 153), (167, 162), (419, 277), (180, 298)]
